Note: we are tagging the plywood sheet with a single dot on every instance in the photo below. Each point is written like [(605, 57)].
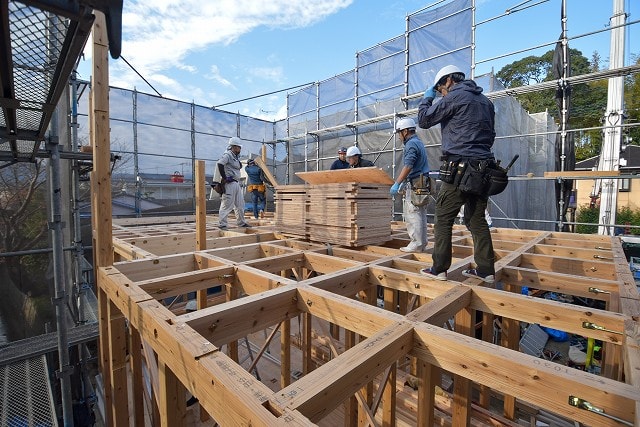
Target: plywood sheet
[(372, 175)]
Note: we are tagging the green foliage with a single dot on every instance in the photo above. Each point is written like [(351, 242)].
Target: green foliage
[(624, 216), (632, 103), (587, 103), (587, 215), (627, 216)]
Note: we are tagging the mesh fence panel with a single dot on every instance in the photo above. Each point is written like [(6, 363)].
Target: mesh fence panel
[(26, 394)]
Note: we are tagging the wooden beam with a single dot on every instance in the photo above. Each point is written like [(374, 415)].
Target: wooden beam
[(347, 313), (443, 307), (584, 287), (235, 319), (267, 173), (190, 281), (579, 174), (539, 382), (321, 391)]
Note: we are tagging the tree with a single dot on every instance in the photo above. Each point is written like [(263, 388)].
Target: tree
[(632, 104), (24, 294), (588, 100)]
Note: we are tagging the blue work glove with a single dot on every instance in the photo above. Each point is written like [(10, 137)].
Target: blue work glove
[(430, 92), (229, 179), (394, 189)]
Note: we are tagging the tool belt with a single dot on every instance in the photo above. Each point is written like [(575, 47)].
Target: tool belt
[(259, 187), (421, 189), (476, 177), (218, 187)]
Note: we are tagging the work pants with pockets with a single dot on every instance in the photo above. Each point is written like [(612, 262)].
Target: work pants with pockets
[(450, 200), (232, 200), (415, 219)]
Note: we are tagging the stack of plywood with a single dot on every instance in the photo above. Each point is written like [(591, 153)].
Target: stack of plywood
[(349, 207), (350, 214), (291, 206)]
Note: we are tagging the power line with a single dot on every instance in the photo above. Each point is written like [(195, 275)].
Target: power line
[(261, 95), (145, 80)]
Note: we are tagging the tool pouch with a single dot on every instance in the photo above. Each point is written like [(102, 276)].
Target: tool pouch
[(497, 180), (218, 187), (448, 171), (421, 188), (473, 179)]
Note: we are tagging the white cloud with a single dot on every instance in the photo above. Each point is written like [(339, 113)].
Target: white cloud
[(159, 34), (214, 74), (268, 73)]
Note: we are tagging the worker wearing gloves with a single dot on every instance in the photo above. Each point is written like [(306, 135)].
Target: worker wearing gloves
[(415, 165), (255, 186), (232, 199), (466, 118)]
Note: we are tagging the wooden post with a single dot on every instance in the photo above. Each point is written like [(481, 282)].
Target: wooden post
[(389, 398), (232, 347), (137, 389), (461, 408), (201, 222), (172, 398), (118, 357), (351, 404), (101, 200), (510, 338), (305, 339), (285, 353), (429, 376)]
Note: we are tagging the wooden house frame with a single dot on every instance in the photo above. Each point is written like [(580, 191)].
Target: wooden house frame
[(282, 279), (269, 280)]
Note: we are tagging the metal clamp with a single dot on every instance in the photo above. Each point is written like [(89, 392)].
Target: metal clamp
[(589, 325), (597, 290), (583, 404)]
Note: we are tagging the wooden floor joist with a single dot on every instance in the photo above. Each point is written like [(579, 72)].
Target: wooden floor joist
[(281, 279)]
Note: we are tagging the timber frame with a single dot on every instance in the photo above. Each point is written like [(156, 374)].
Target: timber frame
[(269, 279)]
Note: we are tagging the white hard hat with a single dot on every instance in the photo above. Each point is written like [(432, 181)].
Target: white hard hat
[(445, 71), (234, 140), (352, 151), (405, 123)]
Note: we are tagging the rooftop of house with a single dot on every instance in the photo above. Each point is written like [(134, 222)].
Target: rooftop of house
[(631, 154)]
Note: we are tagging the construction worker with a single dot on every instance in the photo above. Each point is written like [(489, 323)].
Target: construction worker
[(415, 166), (255, 186), (232, 199), (341, 161), (354, 157), (467, 119)]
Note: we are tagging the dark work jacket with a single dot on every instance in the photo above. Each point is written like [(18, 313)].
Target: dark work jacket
[(466, 118), (363, 163), (339, 164)]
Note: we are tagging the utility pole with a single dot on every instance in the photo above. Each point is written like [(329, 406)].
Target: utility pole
[(610, 154)]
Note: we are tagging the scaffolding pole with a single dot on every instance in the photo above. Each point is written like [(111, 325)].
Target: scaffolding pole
[(610, 153), (60, 295)]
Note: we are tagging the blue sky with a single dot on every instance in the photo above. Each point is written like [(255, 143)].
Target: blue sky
[(217, 52)]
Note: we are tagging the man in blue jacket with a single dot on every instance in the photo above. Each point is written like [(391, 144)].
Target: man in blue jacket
[(341, 161), (255, 186), (466, 118), (415, 164)]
